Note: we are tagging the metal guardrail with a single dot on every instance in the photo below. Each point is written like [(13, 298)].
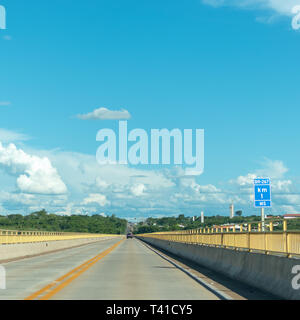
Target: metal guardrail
[(17, 236), (283, 242)]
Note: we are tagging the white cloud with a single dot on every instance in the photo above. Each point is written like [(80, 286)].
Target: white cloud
[(21, 199), (105, 114), (274, 169), (245, 180), (83, 173), (195, 194), (281, 7), (133, 191), (35, 174), (138, 189), (284, 191), (101, 184), (12, 136), (26, 203), (70, 208), (97, 198)]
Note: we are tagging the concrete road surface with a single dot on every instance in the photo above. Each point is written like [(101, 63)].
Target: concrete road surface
[(112, 269)]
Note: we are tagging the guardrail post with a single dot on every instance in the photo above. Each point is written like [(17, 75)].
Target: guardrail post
[(222, 240), (266, 241), (287, 245), (271, 226), (284, 225), (249, 235), (249, 241), (286, 239)]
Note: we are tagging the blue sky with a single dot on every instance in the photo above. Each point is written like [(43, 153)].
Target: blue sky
[(229, 67)]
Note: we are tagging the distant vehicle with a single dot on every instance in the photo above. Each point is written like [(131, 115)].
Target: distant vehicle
[(129, 235)]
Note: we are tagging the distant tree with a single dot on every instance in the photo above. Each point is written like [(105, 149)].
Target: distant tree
[(239, 213), (41, 220)]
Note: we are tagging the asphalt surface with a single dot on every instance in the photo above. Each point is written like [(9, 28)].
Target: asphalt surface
[(126, 271), (26, 276)]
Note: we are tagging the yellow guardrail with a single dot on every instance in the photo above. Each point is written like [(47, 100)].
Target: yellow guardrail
[(17, 236), (284, 242)]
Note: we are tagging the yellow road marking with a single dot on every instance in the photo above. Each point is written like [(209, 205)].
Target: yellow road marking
[(58, 284)]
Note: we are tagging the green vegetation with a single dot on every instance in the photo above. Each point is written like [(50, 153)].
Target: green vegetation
[(43, 221), (293, 225), (184, 223)]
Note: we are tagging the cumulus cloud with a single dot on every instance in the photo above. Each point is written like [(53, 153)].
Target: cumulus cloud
[(274, 169), (70, 208), (105, 114), (131, 191), (284, 192), (97, 198), (138, 189), (35, 174), (17, 199), (12, 136), (83, 173), (191, 193)]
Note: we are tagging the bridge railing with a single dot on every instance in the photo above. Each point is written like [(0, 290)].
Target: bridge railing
[(17, 236), (270, 241)]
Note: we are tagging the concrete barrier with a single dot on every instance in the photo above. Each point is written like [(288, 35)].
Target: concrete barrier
[(270, 273), (23, 250)]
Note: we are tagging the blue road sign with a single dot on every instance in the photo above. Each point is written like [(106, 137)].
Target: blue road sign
[(262, 193)]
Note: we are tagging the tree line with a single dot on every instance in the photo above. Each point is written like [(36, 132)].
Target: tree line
[(185, 223), (44, 221)]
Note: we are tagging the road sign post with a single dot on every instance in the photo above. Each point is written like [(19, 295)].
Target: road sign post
[(262, 196), (262, 219)]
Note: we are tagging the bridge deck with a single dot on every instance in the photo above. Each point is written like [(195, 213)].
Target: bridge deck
[(108, 270)]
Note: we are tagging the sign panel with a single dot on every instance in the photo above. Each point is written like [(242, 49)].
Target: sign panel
[(262, 193)]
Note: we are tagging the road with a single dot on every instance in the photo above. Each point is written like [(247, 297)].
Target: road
[(107, 270)]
